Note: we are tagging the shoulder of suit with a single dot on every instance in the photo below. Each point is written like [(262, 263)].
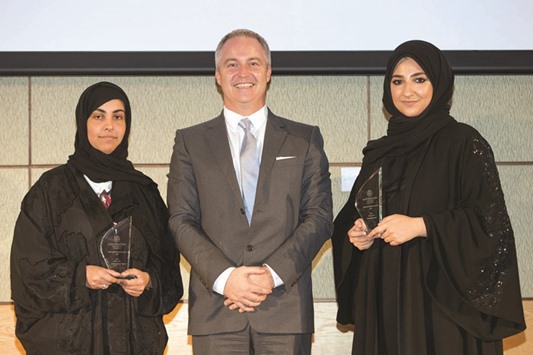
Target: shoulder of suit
[(298, 129), (291, 125), (203, 125)]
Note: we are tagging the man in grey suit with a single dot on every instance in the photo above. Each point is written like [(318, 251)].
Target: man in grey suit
[(250, 256)]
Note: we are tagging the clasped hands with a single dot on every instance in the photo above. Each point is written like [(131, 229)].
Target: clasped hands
[(247, 287), (395, 229), (100, 278)]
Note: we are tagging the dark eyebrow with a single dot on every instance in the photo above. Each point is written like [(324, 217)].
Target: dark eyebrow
[(418, 74), (115, 111), (414, 74)]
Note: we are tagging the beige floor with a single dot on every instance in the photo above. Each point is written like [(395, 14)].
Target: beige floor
[(327, 340)]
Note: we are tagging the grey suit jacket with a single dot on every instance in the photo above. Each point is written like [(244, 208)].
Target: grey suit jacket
[(292, 219)]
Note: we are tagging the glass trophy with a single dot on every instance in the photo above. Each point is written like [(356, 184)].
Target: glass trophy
[(115, 246), (368, 200)]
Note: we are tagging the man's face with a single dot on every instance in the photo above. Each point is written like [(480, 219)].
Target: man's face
[(243, 74)]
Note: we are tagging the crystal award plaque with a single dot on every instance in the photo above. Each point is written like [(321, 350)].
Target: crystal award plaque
[(115, 246), (368, 200)]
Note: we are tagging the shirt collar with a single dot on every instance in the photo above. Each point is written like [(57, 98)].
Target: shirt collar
[(258, 118), (99, 187)]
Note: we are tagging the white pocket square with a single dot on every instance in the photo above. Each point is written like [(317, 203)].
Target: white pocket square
[(285, 158)]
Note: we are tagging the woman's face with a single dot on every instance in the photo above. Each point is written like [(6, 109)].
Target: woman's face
[(106, 126), (410, 88)]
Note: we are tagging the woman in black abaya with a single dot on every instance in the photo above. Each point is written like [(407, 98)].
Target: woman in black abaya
[(438, 275), (67, 301)]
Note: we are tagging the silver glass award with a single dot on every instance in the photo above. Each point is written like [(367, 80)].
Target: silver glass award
[(368, 200), (115, 246)]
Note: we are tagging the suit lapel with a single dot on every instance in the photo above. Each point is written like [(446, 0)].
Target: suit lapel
[(217, 139), (275, 135)]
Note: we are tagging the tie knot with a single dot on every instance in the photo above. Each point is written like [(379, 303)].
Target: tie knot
[(245, 124)]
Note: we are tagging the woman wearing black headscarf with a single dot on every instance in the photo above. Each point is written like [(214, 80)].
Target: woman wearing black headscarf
[(67, 301), (438, 274)]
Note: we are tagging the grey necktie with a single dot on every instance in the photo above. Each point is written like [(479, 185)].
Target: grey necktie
[(249, 168)]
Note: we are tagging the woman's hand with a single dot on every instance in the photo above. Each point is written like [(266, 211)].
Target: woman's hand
[(358, 235), (99, 277), (397, 229), (134, 282)]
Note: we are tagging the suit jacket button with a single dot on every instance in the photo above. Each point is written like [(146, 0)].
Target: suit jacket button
[(242, 211), (249, 247)]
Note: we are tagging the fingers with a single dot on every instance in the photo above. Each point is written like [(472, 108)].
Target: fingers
[(247, 287), (378, 232), (398, 229), (362, 243), (265, 280), (241, 307), (239, 279), (238, 306), (134, 281), (253, 270), (360, 225), (98, 277), (253, 296), (132, 274), (358, 236)]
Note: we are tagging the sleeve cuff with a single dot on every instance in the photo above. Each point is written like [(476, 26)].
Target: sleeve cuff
[(277, 280), (220, 282)]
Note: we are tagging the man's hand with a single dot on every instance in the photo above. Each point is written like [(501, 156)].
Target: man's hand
[(265, 280), (247, 287)]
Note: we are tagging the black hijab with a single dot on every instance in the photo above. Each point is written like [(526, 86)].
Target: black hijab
[(98, 166), (406, 133)]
